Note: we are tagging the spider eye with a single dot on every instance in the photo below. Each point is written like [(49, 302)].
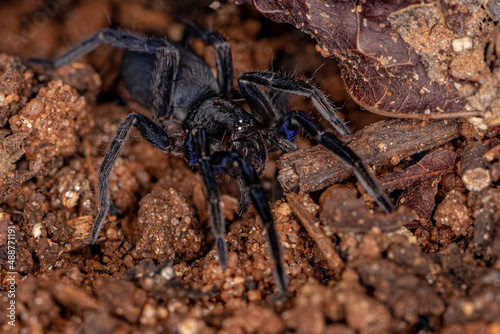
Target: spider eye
[(239, 126)]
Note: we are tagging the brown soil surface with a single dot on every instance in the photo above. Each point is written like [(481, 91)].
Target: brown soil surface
[(352, 269)]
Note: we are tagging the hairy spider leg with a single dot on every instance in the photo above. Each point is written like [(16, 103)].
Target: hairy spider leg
[(233, 164), (297, 118), (167, 61), (263, 110), (197, 151), (286, 128), (151, 132), (222, 49), (248, 86)]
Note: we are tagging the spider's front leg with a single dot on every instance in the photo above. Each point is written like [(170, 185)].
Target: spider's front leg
[(250, 81), (238, 167), (287, 123), (151, 132), (297, 118), (221, 119), (197, 151)]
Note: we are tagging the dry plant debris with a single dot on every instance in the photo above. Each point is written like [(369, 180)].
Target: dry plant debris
[(406, 59)]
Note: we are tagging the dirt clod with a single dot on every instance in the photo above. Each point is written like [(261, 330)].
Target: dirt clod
[(167, 227)]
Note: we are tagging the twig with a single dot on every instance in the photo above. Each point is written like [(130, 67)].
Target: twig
[(324, 243)]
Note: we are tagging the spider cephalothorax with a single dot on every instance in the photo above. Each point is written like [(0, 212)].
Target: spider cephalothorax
[(175, 83)]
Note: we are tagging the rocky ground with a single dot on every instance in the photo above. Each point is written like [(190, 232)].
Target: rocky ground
[(431, 266)]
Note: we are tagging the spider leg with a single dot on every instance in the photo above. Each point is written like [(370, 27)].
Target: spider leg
[(259, 102), (234, 164), (249, 81), (151, 132), (294, 118), (164, 77), (197, 148), (244, 197), (167, 60), (222, 49), (113, 37)]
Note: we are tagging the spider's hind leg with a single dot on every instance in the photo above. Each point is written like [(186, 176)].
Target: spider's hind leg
[(222, 49), (297, 118), (113, 37), (166, 65)]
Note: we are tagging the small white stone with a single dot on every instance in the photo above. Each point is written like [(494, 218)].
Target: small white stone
[(461, 44), (37, 230)]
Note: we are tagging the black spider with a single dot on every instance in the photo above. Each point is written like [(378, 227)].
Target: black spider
[(218, 135)]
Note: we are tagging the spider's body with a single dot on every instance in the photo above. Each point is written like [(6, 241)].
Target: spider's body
[(197, 90), (219, 136), (195, 81)]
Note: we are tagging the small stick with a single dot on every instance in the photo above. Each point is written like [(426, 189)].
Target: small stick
[(324, 243), (377, 144)]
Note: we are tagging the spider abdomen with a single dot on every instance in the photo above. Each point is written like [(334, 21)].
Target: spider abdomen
[(194, 82)]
